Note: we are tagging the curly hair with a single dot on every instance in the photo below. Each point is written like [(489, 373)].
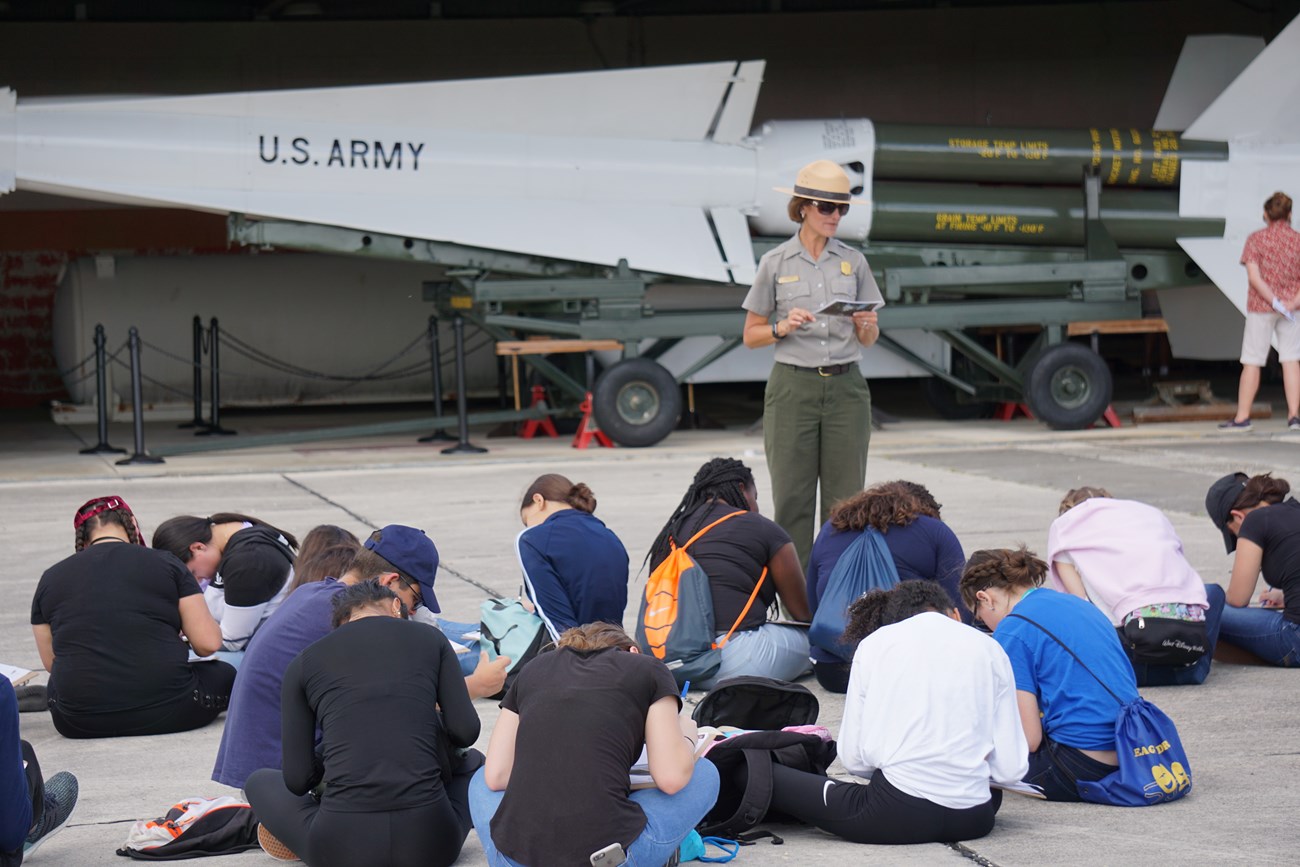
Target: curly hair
[(878, 608), (1008, 569), (721, 479), (884, 505)]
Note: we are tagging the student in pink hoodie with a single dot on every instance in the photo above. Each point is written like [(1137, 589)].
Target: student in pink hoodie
[(1126, 558)]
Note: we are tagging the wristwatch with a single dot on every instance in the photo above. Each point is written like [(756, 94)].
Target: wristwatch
[(776, 335)]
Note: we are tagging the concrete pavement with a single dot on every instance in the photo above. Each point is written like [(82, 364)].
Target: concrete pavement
[(999, 484)]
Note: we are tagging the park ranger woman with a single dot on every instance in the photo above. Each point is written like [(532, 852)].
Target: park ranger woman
[(817, 406)]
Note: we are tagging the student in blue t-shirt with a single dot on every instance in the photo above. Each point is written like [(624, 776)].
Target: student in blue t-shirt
[(1069, 718), (922, 546), (575, 568)]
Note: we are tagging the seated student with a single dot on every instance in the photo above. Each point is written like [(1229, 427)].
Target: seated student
[(108, 623), (31, 809), (326, 552), (1126, 558), (922, 547), (930, 718), (395, 794), (1069, 718), (401, 558), (575, 568), (1262, 525), (736, 555), (555, 788), (245, 564)]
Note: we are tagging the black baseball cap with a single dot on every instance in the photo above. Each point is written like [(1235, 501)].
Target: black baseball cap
[(1218, 503)]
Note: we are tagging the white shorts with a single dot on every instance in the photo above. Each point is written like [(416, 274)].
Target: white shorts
[(1258, 337)]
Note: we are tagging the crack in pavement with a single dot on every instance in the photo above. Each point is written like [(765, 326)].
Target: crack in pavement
[(455, 573)]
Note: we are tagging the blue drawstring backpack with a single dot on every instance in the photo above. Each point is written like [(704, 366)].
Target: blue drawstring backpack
[(1153, 766), (864, 566)]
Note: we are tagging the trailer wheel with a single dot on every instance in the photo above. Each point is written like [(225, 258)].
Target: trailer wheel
[(637, 402), (1069, 387)]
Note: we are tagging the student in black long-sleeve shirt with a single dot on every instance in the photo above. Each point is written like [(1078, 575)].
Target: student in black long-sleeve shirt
[(395, 792)]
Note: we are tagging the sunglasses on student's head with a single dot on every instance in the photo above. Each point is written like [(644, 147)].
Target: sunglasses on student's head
[(828, 208)]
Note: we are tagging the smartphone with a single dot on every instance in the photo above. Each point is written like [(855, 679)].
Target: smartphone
[(611, 856)]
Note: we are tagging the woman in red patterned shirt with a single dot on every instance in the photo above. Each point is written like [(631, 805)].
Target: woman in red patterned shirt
[(1272, 260)]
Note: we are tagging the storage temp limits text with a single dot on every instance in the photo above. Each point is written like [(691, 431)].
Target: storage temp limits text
[(342, 153)]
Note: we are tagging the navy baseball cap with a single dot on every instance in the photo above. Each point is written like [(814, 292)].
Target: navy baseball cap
[(414, 553), (1218, 502)]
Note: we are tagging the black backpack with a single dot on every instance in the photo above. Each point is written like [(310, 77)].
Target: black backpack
[(757, 703), (738, 810), (198, 828), (766, 705)]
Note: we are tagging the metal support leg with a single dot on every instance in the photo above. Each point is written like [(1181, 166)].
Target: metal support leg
[(464, 447), (435, 357), (137, 406), (198, 378), (101, 398), (214, 427)]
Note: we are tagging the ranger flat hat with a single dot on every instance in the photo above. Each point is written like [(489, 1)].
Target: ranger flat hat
[(824, 181)]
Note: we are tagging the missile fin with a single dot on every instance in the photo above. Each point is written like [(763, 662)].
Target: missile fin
[(736, 116), (1263, 100), (670, 103), (8, 140), (1205, 68), (733, 237)]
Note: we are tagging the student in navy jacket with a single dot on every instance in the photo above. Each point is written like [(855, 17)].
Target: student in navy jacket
[(575, 568)]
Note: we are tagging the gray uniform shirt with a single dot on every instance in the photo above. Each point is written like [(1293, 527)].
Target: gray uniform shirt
[(788, 277)]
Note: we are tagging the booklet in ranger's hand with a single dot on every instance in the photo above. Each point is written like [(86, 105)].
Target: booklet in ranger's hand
[(842, 307)]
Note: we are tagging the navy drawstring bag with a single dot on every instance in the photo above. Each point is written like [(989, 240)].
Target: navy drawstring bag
[(1153, 766), (864, 566)]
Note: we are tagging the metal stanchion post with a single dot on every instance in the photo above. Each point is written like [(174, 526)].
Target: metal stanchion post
[(101, 398), (464, 447), (198, 377), (439, 435), (214, 427), (137, 405)]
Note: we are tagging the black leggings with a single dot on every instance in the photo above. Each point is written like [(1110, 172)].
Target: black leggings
[(429, 836), (878, 813), (833, 676), (207, 697)]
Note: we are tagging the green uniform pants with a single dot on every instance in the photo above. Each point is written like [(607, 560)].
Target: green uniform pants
[(815, 428)]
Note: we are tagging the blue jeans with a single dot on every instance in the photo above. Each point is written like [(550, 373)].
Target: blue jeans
[(456, 632), (771, 650), (1186, 675), (1056, 769), (1263, 632), (668, 818)]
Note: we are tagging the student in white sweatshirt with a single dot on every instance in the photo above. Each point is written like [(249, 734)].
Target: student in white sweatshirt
[(930, 718)]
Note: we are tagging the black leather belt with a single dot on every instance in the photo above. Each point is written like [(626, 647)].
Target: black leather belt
[(825, 370)]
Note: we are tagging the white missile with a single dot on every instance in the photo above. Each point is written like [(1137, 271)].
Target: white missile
[(648, 165)]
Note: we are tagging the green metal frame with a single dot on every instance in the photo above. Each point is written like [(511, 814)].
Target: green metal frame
[(949, 292)]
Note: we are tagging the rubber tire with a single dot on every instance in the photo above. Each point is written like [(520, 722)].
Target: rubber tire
[(1069, 387), (943, 399), (655, 398)]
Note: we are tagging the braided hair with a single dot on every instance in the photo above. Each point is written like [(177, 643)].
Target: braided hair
[(1006, 569), (101, 512), (720, 480)]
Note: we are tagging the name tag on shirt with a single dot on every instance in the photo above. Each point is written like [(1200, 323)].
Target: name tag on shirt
[(789, 278)]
